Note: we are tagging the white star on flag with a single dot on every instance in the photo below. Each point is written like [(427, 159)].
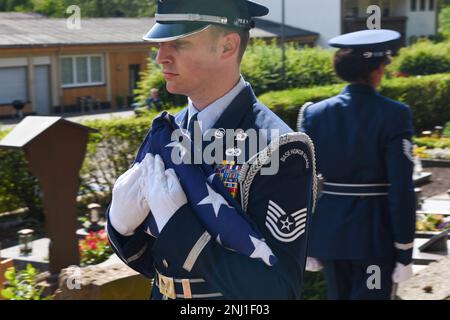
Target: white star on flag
[(262, 251), (214, 199)]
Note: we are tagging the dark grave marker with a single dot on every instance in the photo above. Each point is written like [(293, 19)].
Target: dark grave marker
[(55, 149)]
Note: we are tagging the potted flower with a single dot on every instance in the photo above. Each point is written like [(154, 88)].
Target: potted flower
[(94, 248), (429, 224), (433, 147)]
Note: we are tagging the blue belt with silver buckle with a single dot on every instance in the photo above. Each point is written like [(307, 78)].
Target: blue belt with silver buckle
[(358, 190), (174, 288)]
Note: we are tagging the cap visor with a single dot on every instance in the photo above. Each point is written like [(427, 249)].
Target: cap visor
[(163, 32), (257, 10), (364, 38)]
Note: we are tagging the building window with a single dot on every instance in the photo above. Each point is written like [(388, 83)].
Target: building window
[(413, 5), (386, 7), (431, 5), (13, 84), (77, 71), (351, 8), (422, 5), (96, 69)]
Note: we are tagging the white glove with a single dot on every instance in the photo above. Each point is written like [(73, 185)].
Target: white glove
[(401, 272), (128, 207), (162, 191), (313, 265)]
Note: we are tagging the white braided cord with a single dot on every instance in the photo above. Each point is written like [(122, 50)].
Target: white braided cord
[(301, 115), (255, 163)]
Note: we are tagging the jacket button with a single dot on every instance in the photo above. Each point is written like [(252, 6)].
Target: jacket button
[(165, 263)]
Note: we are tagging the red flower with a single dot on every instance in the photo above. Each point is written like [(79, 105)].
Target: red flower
[(94, 248), (102, 235)]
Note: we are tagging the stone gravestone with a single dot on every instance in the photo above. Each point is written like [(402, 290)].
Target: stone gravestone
[(55, 149), (110, 280), (431, 283)]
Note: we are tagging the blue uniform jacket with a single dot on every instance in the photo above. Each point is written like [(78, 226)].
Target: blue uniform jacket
[(364, 138), (183, 250)]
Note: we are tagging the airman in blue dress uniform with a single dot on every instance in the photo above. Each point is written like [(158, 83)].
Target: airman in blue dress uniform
[(363, 228), (201, 43)]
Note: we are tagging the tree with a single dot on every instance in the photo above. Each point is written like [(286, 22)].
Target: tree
[(15, 5), (89, 8), (444, 18)]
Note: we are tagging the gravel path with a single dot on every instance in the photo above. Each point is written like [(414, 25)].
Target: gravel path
[(440, 182)]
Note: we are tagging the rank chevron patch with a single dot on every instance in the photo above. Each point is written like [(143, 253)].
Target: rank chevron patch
[(283, 226)]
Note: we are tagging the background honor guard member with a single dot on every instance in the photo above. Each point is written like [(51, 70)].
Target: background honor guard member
[(201, 44), (365, 217)]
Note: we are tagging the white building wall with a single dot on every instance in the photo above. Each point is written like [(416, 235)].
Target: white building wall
[(324, 16), (321, 16), (421, 23)]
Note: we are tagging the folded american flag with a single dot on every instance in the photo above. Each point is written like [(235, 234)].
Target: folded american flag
[(215, 208)]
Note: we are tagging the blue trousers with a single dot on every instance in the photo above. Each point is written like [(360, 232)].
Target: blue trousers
[(359, 279)]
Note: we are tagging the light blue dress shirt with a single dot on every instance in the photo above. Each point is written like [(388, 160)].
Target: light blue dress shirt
[(209, 116)]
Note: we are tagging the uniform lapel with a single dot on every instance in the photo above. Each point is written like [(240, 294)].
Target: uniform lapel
[(181, 118), (232, 117)]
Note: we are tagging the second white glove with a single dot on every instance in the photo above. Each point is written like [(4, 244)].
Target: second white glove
[(401, 272), (313, 265), (162, 191)]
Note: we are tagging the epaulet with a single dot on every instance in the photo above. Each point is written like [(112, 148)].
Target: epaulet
[(301, 115)]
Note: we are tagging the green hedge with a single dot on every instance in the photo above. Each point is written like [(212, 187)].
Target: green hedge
[(422, 58), (428, 96), (444, 19), (432, 143), (287, 103), (447, 130), (305, 67)]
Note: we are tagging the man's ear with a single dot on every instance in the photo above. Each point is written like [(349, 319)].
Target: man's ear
[(230, 45)]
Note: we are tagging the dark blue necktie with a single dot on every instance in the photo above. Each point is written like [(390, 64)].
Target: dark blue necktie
[(192, 124)]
